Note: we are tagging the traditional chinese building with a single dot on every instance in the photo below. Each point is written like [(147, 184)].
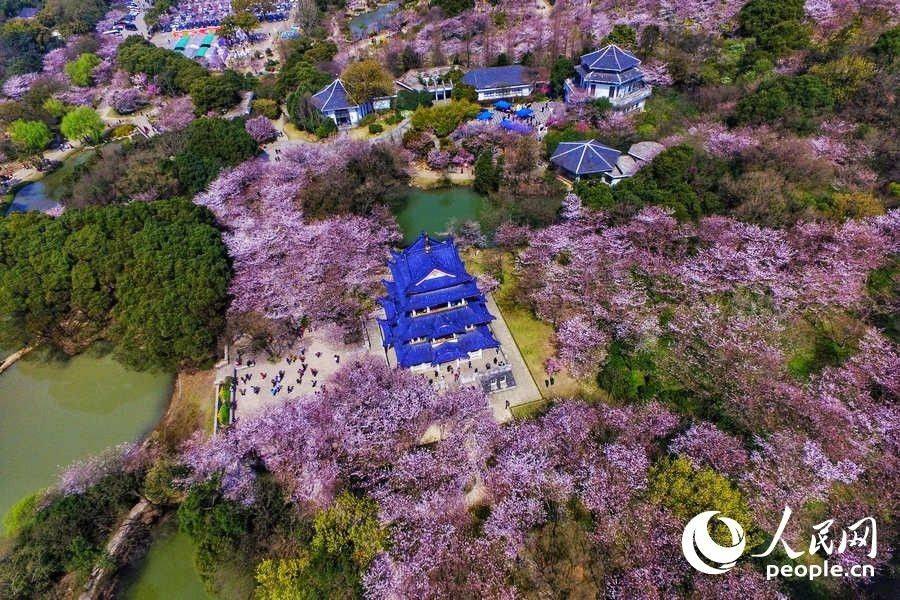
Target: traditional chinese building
[(434, 312), (591, 159), (610, 73), (334, 103), (494, 83)]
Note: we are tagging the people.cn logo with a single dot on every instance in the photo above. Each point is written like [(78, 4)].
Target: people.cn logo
[(696, 542)]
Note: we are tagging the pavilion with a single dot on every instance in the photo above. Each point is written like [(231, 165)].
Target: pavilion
[(590, 158), (434, 311), (610, 73), (334, 102)]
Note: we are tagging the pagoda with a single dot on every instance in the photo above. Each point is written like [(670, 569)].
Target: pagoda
[(434, 312)]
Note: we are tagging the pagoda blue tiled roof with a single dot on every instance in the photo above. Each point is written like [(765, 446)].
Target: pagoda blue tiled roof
[(430, 274), (415, 354)]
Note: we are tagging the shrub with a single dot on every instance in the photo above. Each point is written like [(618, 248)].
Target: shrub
[(376, 128), (79, 70), (224, 414), (123, 130), (267, 108), (326, 128), (21, 514), (442, 119)]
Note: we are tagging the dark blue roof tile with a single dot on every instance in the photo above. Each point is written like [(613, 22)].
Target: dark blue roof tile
[(430, 274), (498, 77), (610, 58), (332, 97), (585, 158), (633, 74)]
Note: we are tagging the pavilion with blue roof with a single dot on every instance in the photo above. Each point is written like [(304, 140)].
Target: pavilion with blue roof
[(334, 102), (434, 311), (611, 73), (589, 157)]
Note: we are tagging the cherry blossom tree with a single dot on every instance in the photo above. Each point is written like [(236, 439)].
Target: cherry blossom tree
[(261, 129), (284, 266), (17, 86), (176, 114)]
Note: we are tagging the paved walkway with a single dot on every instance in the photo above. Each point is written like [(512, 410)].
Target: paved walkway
[(305, 370), (29, 173), (526, 390)]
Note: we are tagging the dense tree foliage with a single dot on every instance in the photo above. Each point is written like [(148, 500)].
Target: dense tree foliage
[(775, 24), (453, 7), (22, 43), (306, 115), (216, 92), (150, 278), (366, 80), (346, 538), (443, 118), (64, 533), (72, 16), (300, 77), (561, 70), (79, 70), (796, 101), (82, 124), (679, 178), (31, 136), (174, 163), (209, 146), (172, 71)]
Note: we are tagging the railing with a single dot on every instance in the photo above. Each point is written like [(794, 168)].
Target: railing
[(579, 94), (631, 97)]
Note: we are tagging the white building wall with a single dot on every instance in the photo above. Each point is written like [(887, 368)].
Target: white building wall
[(501, 93)]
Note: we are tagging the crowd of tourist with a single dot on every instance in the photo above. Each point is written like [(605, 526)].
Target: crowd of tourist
[(191, 14)]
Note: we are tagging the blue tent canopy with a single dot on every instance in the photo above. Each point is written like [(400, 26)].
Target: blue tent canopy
[(524, 112), (502, 105), (513, 126), (485, 115)]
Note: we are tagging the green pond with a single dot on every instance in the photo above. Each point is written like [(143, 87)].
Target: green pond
[(167, 571), (53, 413), (434, 210), (47, 192)]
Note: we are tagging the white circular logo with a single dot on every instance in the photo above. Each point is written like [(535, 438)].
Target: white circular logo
[(696, 538)]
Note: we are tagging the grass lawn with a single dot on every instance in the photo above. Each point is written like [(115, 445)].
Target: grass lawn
[(529, 409), (533, 337), (189, 410), (292, 133), (362, 132)]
